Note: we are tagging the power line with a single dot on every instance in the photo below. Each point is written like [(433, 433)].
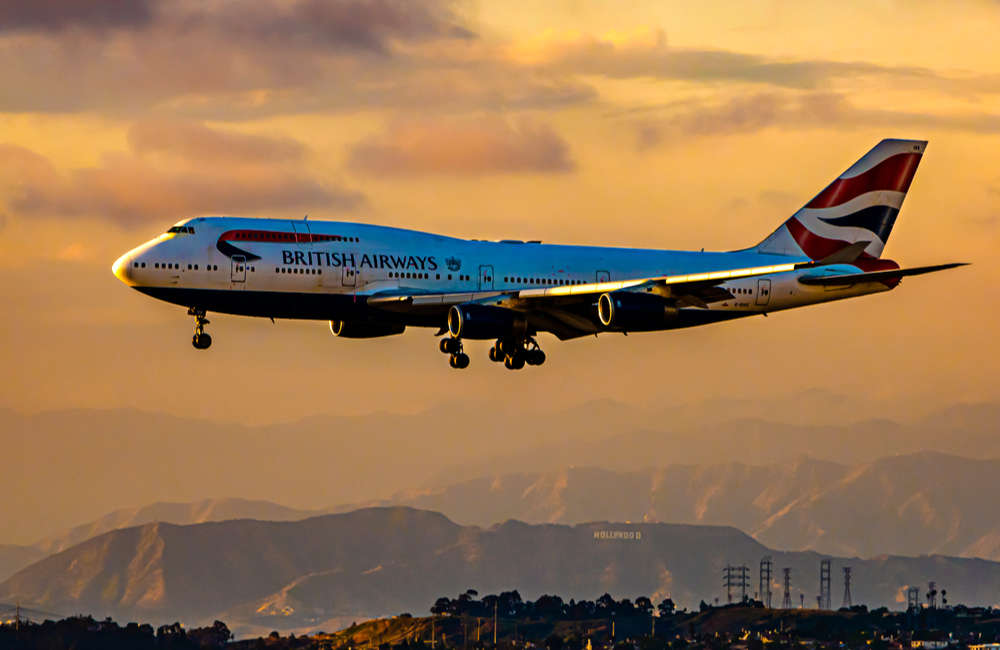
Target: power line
[(744, 573), (912, 599), (736, 576), (765, 580), (847, 587), (824, 585)]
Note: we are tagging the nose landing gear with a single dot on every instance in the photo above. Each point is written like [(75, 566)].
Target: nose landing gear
[(201, 340), (453, 346)]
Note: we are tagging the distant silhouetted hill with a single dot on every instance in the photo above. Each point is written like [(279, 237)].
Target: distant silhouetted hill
[(14, 558), (195, 512), (913, 504), (283, 575), (128, 458), (906, 505)]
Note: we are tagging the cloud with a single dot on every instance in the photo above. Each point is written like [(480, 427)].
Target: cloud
[(335, 24), (647, 54), (243, 59), (197, 142), (248, 52), (59, 15), (249, 58), (367, 25), (747, 114), (484, 146), (131, 188)]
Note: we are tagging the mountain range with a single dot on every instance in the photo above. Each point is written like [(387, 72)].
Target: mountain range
[(320, 572), (906, 505), (913, 504), (317, 461)]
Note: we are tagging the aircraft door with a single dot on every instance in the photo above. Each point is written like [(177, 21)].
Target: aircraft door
[(763, 292), (238, 275), (304, 242), (485, 278), (603, 276), (349, 274), (302, 233)]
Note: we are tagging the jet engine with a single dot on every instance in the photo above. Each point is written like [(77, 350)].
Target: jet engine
[(635, 312), (350, 329), (475, 321)]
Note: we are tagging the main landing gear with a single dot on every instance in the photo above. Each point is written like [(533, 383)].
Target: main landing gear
[(201, 340), (453, 346), (514, 353)]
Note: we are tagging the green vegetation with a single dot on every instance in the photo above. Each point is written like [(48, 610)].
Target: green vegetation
[(86, 633), (467, 622)]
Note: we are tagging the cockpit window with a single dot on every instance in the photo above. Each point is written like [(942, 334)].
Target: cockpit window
[(177, 230)]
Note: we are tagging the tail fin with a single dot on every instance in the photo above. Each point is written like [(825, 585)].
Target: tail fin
[(859, 205)]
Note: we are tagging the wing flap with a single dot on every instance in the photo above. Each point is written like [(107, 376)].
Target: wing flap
[(874, 276), (709, 277), (699, 288)]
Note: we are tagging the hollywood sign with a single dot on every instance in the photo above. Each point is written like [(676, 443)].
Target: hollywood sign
[(633, 535)]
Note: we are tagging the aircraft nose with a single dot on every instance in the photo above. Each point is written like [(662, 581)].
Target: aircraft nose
[(121, 267)]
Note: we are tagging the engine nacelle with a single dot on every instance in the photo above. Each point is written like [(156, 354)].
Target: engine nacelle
[(635, 312), (475, 321), (351, 329)]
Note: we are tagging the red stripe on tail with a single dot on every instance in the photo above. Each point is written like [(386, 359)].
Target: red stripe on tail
[(895, 174)]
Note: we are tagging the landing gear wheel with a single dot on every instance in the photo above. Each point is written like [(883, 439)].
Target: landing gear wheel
[(453, 346), (534, 357), (495, 355), (200, 340), (450, 345), (514, 361)]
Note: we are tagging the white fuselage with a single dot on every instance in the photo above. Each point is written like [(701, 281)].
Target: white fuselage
[(306, 269)]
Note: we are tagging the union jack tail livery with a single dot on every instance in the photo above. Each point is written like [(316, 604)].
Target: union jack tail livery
[(860, 205)]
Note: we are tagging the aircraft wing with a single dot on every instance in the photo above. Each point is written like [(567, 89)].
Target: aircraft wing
[(874, 276), (567, 311)]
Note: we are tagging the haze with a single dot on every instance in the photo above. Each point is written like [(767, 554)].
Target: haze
[(633, 124)]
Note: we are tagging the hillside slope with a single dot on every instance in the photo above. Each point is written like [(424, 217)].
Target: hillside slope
[(381, 561), (195, 512), (14, 558)]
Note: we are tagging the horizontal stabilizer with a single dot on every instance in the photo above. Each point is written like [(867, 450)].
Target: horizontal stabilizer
[(874, 276)]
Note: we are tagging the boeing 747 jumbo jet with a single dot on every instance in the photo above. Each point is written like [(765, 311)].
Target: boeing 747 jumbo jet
[(370, 281)]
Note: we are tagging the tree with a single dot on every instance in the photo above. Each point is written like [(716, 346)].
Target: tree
[(215, 636), (643, 605), (666, 607), (442, 606), (174, 630), (549, 607), (510, 603)]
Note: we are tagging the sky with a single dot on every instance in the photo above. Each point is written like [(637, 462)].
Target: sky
[(654, 124)]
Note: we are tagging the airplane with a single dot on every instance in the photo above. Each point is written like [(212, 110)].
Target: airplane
[(372, 281)]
